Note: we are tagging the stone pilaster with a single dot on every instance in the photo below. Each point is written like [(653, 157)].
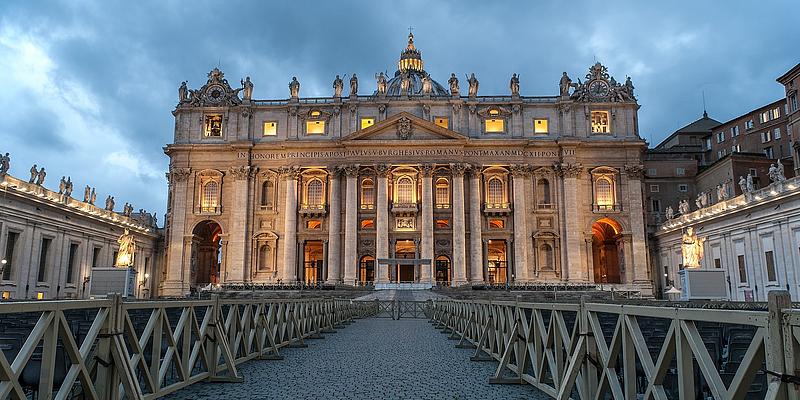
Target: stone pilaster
[(426, 224), (177, 283), (638, 266), (575, 266), (459, 228), (334, 258), (382, 219), (237, 245), (519, 173), (290, 225), (476, 260), (350, 262)]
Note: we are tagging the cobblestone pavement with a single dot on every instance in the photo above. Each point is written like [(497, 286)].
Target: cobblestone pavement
[(370, 359), (402, 295)]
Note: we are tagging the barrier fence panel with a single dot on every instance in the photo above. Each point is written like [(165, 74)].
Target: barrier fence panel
[(109, 349), (399, 309)]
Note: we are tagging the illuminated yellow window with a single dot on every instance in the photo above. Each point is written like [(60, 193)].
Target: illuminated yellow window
[(367, 122), (443, 122), (367, 223), (315, 127), (313, 224), (539, 126), (6, 295), (270, 128), (213, 125), (315, 114), (494, 125), (494, 111), (39, 295), (600, 122)]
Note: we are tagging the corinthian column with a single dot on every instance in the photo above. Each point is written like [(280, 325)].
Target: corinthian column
[(426, 225), (575, 267), (237, 249), (518, 174), (334, 227), (459, 228), (350, 261), (290, 225), (382, 220), (636, 212), (177, 283), (475, 239)]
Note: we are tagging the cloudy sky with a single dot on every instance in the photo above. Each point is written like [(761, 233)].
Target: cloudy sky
[(88, 87)]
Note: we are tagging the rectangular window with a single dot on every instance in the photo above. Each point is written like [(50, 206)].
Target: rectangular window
[(680, 171), (497, 224), (717, 263), (768, 152), (213, 125), (654, 188), (708, 143), (655, 204), (735, 131), (315, 127), (766, 137), (742, 268), (736, 148), (793, 102), (720, 137), (442, 223), (753, 171), (44, 251), (39, 295), (539, 126), (367, 224), (776, 134), (749, 124), (11, 244), (95, 256), (683, 187), (270, 128), (763, 117), (600, 122), (6, 295), (314, 224), (367, 122), (495, 125), (71, 261), (769, 258), (442, 122), (652, 172), (114, 257), (776, 113)]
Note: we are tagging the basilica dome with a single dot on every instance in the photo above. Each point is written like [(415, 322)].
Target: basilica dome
[(410, 69)]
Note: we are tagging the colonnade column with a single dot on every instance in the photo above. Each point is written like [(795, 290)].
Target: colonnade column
[(426, 225), (572, 225), (350, 261), (236, 256), (382, 221), (334, 227), (635, 210), (518, 174), (290, 225), (459, 228), (477, 259), (177, 282)]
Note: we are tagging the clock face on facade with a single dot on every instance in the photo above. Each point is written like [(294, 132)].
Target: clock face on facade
[(598, 89), (215, 94)]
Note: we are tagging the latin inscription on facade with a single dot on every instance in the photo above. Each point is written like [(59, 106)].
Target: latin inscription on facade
[(316, 154)]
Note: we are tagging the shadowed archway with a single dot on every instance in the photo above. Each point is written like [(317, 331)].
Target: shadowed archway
[(606, 251)]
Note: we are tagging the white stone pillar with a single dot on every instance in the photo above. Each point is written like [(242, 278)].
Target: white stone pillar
[(290, 226), (638, 234), (575, 267), (426, 224), (334, 227), (519, 173), (382, 219), (177, 280), (476, 260), (459, 227), (350, 262), (237, 246)]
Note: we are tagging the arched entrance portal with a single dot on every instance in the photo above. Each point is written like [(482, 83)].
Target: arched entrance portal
[(606, 254), (442, 270), (206, 253)]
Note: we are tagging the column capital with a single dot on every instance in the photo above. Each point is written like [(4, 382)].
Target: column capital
[(242, 172), (179, 174), (635, 171), (520, 170), (427, 169), (458, 169), (475, 170), (289, 172), (382, 170), (569, 170), (351, 170)]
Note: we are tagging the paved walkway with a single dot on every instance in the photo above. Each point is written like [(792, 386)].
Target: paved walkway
[(370, 359)]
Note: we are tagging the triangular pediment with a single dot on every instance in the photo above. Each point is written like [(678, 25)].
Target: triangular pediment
[(404, 126)]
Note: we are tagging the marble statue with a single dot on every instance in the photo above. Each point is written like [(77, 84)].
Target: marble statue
[(702, 200), (247, 85), (405, 83), (683, 207), (564, 84), (381, 78), (473, 85), (338, 85), (87, 193), (68, 188), (183, 93), (742, 184), (62, 185), (5, 164), (34, 172), (110, 203), (427, 86), (294, 87), (40, 177), (354, 85), (453, 81), (776, 172), (722, 192), (92, 197), (669, 213), (127, 249), (750, 185), (691, 249), (780, 173), (514, 85), (629, 87)]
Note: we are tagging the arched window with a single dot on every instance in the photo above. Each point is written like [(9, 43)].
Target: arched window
[(366, 271), (546, 257), (405, 190), (367, 193), (494, 193), (210, 196), (543, 191), (442, 193), (267, 194), (604, 193), (314, 193), (264, 257)]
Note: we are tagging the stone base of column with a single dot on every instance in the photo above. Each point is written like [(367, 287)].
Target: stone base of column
[(174, 289)]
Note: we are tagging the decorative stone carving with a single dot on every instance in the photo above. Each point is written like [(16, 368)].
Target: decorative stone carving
[(241, 172), (289, 172), (338, 86), (427, 85), (179, 174), (183, 93), (247, 85), (456, 108), (702, 200), (34, 172), (382, 170), (519, 170), (294, 88), (669, 213), (691, 249), (634, 171), (127, 250), (514, 85), (570, 170), (453, 81), (426, 169), (92, 197), (216, 92), (458, 169), (404, 128), (683, 207), (62, 184), (599, 87), (354, 86), (776, 172), (475, 170), (5, 164), (110, 203), (40, 177), (352, 170), (68, 189)]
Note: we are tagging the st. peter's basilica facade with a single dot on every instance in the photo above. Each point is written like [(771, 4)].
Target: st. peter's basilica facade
[(416, 182)]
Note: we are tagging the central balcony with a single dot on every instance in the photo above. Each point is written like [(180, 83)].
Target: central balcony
[(408, 209), (313, 210), (497, 208)]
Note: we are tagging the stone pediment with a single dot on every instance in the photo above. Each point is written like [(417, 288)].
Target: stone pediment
[(404, 126)]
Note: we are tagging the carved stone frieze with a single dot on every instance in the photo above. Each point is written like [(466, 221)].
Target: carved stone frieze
[(404, 128)]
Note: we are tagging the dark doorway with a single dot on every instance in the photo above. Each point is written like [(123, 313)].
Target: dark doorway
[(605, 251), (206, 253), (312, 260)]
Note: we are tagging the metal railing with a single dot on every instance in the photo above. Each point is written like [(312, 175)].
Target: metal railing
[(107, 349), (591, 351), (399, 309)]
